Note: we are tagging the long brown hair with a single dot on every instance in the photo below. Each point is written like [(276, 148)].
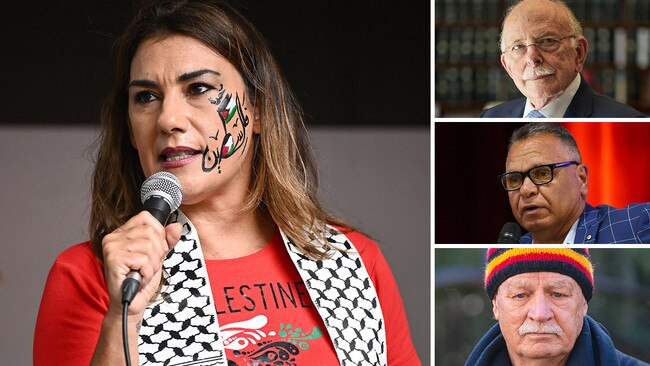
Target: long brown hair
[(284, 174)]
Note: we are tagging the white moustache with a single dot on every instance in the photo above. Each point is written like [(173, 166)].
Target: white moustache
[(540, 328), (538, 71)]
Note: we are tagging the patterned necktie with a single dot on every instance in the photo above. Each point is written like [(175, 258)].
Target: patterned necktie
[(535, 114)]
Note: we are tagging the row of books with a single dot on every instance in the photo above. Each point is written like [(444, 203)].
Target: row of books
[(467, 85), (619, 46), (451, 11), (481, 45), (587, 11), (455, 45)]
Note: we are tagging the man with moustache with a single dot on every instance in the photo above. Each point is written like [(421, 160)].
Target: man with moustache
[(539, 298), (547, 184), (543, 50)]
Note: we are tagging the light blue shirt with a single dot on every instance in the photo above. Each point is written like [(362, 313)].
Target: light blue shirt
[(558, 106)]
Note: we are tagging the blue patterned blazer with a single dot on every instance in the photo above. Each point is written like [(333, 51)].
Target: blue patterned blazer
[(609, 225)]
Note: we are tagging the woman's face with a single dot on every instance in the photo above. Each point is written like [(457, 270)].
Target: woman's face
[(190, 115)]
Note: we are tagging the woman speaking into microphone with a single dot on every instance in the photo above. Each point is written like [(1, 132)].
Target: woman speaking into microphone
[(250, 270)]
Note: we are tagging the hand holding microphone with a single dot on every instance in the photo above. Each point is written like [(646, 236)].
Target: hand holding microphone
[(140, 244), (161, 194)]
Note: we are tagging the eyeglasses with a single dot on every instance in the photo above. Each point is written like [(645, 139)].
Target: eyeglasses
[(539, 175), (546, 44)]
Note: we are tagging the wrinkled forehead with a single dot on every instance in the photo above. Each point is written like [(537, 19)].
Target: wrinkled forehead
[(539, 280), (537, 150), (534, 19)]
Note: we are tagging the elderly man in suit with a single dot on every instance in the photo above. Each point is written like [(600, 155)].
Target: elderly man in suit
[(547, 188), (543, 50)]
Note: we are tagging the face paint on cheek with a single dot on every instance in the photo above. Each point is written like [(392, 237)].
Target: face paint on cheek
[(210, 160), (231, 114), (227, 109), (228, 146)]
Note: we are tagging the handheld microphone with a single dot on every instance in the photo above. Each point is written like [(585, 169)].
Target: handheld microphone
[(161, 194), (510, 233)]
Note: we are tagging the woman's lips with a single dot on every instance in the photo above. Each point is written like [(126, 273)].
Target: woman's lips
[(177, 157)]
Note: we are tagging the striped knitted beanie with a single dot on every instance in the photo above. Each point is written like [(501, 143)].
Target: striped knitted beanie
[(502, 264)]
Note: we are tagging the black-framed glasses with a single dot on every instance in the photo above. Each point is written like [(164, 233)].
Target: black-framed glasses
[(539, 175), (546, 44)]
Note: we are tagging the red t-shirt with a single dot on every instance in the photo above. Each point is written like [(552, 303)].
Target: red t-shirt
[(263, 309)]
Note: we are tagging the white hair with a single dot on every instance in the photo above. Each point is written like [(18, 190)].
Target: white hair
[(574, 24)]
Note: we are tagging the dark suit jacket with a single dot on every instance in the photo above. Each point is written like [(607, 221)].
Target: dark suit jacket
[(609, 225), (586, 103)]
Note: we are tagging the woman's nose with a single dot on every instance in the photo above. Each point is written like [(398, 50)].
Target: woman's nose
[(173, 117)]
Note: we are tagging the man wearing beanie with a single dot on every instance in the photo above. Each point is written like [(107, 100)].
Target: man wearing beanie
[(539, 298)]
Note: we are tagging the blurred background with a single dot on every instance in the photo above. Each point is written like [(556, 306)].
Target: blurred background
[(468, 71), (471, 205), (349, 63), (463, 312)]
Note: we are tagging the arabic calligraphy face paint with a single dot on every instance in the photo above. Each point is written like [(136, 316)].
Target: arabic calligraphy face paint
[(189, 112), (233, 125)]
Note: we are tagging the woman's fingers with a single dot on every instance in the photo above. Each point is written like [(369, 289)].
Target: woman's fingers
[(139, 245), (173, 234)]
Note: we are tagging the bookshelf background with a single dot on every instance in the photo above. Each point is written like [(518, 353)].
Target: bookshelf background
[(469, 75)]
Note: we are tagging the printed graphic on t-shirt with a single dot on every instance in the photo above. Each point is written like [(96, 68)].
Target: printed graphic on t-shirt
[(254, 342)]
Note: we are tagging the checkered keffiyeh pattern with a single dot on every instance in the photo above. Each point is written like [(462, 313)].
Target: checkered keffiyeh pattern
[(181, 326), (347, 302)]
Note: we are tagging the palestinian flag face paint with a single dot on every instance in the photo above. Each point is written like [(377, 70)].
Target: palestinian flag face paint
[(228, 146), (234, 138), (227, 109)]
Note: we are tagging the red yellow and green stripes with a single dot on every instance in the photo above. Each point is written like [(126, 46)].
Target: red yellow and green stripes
[(503, 263)]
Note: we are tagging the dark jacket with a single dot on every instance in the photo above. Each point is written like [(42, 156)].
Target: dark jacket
[(593, 347), (586, 103)]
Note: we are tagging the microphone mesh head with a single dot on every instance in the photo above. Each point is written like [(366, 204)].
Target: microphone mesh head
[(163, 184)]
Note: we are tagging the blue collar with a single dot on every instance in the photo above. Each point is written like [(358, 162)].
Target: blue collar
[(593, 347)]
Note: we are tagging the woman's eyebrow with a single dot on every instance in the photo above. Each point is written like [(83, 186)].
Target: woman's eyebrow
[(184, 77), (195, 74), (142, 82)]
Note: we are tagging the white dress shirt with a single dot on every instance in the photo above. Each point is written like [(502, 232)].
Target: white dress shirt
[(558, 106), (570, 236)]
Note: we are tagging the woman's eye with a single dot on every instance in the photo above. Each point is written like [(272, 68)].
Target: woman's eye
[(519, 296), (144, 97), (198, 89)]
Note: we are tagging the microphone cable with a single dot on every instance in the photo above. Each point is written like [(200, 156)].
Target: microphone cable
[(125, 333), (130, 288), (161, 193)]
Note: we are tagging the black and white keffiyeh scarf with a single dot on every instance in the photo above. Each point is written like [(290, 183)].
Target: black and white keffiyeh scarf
[(181, 327)]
